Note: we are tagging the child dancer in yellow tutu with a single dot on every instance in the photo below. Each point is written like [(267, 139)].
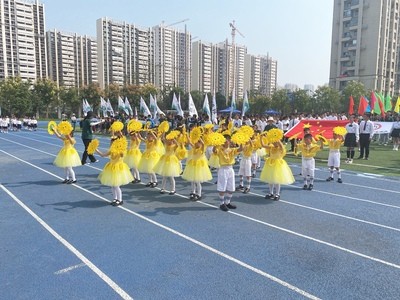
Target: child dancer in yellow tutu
[(67, 157), (196, 170), (116, 172), (275, 171), (169, 165), (134, 155), (150, 158)]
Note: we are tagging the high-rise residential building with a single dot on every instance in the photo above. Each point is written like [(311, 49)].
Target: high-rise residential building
[(204, 69), (22, 36), (125, 53), (292, 87), (172, 57), (72, 59), (365, 44), (260, 74)]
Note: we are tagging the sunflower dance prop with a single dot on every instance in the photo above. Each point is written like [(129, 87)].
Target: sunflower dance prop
[(163, 127), (117, 126), (339, 130), (320, 137), (120, 145), (274, 135), (134, 126), (216, 139), (195, 135), (240, 138), (51, 126), (173, 135), (65, 128), (246, 130), (93, 145)]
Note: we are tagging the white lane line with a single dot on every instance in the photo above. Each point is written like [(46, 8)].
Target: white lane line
[(66, 270), (333, 214), (231, 212), (70, 247), (188, 238)]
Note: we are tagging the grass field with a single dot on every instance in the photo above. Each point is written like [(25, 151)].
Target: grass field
[(382, 160)]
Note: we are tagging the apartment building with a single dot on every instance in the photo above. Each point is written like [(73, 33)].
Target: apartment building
[(72, 59), (365, 44), (22, 36), (260, 74), (125, 53)]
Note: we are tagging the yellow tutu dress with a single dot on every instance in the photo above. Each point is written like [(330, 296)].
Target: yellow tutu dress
[(67, 156), (213, 161), (116, 172), (276, 170), (168, 165), (181, 152), (133, 155), (197, 169), (150, 157)]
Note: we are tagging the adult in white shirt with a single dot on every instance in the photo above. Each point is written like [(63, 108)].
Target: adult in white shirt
[(395, 133), (366, 134)]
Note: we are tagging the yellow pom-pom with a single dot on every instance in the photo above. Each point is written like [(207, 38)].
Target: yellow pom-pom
[(247, 130), (320, 137), (163, 127), (240, 138), (195, 135), (274, 135), (119, 145), (173, 135), (216, 139), (209, 126), (134, 126), (339, 130), (65, 127), (51, 127), (117, 126), (93, 145), (226, 132)]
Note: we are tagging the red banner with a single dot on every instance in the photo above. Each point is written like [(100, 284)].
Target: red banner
[(322, 127)]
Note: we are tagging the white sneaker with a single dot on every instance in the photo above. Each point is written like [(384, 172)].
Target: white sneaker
[(350, 161)]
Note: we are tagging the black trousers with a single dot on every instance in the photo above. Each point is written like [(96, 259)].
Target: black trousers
[(85, 155), (364, 144)]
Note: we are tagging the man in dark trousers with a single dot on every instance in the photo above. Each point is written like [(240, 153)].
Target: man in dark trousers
[(366, 134), (87, 135)]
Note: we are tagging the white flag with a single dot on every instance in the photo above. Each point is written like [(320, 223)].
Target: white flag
[(153, 106), (214, 109), (121, 105), (177, 106), (159, 111), (192, 107), (144, 110), (128, 106), (109, 108), (103, 106), (206, 106), (85, 107), (233, 103), (246, 105)]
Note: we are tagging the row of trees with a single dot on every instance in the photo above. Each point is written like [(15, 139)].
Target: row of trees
[(44, 99)]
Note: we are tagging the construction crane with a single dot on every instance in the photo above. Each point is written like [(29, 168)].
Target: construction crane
[(175, 23), (232, 62)]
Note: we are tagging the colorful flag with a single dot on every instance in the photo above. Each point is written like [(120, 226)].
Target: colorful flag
[(214, 109), (322, 127), (144, 110), (373, 101), (388, 103), (381, 107), (206, 106), (351, 105), (128, 106), (192, 107), (362, 106), (246, 105), (110, 108), (397, 105), (177, 106)]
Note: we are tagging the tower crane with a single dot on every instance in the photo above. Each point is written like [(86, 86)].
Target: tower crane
[(233, 32), (175, 23), (233, 59)]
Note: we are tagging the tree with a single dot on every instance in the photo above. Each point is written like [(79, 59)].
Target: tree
[(280, 102), (259, 103), (70, 99), (44, 96), (92, 93), (326, 99), (355, 89), (16, 96), (302, 102)]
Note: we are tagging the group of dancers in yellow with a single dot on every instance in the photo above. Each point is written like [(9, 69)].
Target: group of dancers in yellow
[(202, 148)]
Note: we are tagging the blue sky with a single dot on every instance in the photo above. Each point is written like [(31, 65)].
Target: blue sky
[(297, 33)]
